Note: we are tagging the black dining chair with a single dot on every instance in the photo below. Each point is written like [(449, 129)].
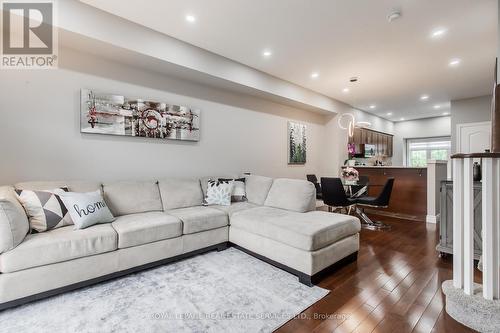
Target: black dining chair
[(381, 201), (334, 195), (313, 179)]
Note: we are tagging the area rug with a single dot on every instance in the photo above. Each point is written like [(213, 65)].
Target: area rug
[(226, 291)]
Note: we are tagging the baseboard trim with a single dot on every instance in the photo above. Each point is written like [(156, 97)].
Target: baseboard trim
[(86, 283), (432, 218)]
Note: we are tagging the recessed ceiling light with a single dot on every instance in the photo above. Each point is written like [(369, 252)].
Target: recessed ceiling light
[(455, 62), (402, 119), (191, 18), (424, 97), (437, 106), (373, 106), (345, 90), (267, 53), (446, 113), (438, 33), (389, 113), (315, 75)]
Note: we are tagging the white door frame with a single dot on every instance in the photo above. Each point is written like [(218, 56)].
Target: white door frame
[(459, 132)]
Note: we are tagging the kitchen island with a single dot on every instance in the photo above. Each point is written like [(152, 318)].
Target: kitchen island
[(409, 195)]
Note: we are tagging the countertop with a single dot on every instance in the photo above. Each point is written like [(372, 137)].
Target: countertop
[(386, 167)]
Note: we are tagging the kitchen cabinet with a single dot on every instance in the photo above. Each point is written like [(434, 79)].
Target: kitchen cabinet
[(383, 141)]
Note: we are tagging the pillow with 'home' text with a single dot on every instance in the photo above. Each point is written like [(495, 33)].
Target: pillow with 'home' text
[(87, 209)]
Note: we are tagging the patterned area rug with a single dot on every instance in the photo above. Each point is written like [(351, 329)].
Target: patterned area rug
[(226, 291)]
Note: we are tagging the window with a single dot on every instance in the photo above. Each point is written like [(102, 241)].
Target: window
[(419, 151)]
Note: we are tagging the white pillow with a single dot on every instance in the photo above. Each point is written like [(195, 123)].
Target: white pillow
[(219, 192), (87, 209)]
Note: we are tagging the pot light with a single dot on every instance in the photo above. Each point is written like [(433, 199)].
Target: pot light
[(314, 75), (455, 62), (424, 97), (402, 119), (438, 33), (373, 106), (389, 113), (345, 90), (437, 106), (191, 18), (267, 53), (446, 113)]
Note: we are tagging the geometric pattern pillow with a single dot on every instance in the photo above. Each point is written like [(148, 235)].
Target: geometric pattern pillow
[(219, 192), (45, 209)]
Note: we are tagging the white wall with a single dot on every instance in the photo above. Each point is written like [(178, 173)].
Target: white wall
[(421, 128), (470, 110)]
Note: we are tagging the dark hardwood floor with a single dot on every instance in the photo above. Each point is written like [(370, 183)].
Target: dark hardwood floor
[(395, 286)]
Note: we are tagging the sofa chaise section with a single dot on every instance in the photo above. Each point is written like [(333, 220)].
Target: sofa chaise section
[(287, 231)]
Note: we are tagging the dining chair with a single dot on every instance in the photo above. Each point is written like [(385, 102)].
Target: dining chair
[(313, 179), (334, 195), (381, 201)]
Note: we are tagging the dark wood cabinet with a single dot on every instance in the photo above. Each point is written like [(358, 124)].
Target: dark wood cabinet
[(364, 136)]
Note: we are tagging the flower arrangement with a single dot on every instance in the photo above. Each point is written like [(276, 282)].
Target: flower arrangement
[(350, 175), (351, 150)]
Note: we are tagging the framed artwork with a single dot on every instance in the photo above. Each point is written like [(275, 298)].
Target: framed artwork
[(297, 147), (103, 113)]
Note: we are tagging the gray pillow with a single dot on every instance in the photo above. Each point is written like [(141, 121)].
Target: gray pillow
[(14, 225)]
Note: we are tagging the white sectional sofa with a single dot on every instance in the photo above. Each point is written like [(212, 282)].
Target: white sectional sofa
[(163, 221)]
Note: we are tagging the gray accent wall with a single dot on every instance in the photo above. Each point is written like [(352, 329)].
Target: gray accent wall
[(41, 139), (469, 110)]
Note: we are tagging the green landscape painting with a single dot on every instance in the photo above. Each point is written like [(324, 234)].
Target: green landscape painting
[(296, 143)]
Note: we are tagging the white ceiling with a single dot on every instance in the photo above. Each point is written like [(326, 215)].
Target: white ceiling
[(396, 62)]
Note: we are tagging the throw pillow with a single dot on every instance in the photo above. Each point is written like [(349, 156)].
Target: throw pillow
[(45, 209), (239, 194), (219, 192), (14, 224), (87, 209)]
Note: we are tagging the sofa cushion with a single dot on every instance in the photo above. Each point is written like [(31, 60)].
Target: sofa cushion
[(257, 188), (180, 193), (200, 218), (143, 228), (14, 225), (125, 198), (292, 194), (306, 231), (234, 207), (73, 186), (59, 245)]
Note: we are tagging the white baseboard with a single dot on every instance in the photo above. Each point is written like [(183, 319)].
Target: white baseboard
[(432, 218)]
